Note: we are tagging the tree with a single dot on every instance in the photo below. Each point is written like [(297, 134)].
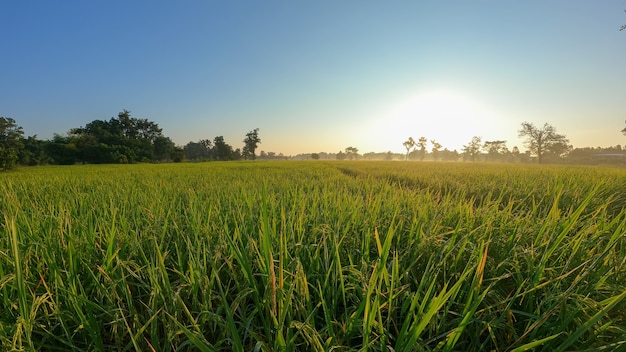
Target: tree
[(251, 142), (62, 150), (222, 150), (408, 144), (436, 149), (315, 156), (472, 149), (542, 140), (124, 139), (341, 155), (624, 130), (178, 154), (33, 152), (495, 149), (163, 148), (201, 150), (422, 144), (10, 142), (447, 155), (352, 152)]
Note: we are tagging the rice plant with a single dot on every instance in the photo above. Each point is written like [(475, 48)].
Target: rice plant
[(299, 256)]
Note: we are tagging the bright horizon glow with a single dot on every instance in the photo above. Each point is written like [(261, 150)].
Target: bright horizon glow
[(446, 116)]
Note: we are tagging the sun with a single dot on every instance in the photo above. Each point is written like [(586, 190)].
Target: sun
[(449, 117)]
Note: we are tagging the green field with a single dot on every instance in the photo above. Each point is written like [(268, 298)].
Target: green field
[(299, 256)]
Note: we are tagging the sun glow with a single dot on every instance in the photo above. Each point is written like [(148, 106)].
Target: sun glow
[(448, 117)]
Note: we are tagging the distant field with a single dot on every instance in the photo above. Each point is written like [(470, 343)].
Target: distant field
[(299, 256)]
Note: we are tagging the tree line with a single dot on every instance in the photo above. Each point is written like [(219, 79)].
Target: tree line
[(122, 139), (543, 144), (126, 139)]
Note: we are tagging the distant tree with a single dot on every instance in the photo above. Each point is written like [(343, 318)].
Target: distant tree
[(542, 140), (178, 154), (408, 144), (236, 154), (472, 149), (557, 151), (62, 150), (447, 155), (315, 156), (421, 143), (341, 155), (163, 148), (124, 139), (435, 149), (33, 152), (495, 150), (222, 150), (10, 143), (201, 150), (352, 153), (251, 142)]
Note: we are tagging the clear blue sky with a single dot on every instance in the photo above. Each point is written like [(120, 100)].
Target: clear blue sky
[(319, 75)]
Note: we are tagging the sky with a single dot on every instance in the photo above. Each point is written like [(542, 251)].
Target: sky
[(319, 76)]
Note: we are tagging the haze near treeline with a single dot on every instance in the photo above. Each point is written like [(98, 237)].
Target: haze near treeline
[(319, 76)]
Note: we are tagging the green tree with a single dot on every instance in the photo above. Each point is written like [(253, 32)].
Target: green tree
[(222, 150), (200, 150), (495, 150), (124, 139), (10, 143), (408, 144), (315, 156), (163, 148), (542, 140), (62, 150), (472, 149), (352, 153), (251, 142), (33, 152), (421, 143), (435, 149), (178, 154)]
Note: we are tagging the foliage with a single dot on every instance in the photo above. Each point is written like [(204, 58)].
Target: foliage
[(495, 150), (124, 139), (291, 256), (544, 141), (10, 143), (472, 150), (33, 152), (352, 153), (200, 150), (436, 149), (408, 144), (421, 143), (251, 143), (222, 150)]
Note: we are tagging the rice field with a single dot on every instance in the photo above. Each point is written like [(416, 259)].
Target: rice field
[(313, 256)]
